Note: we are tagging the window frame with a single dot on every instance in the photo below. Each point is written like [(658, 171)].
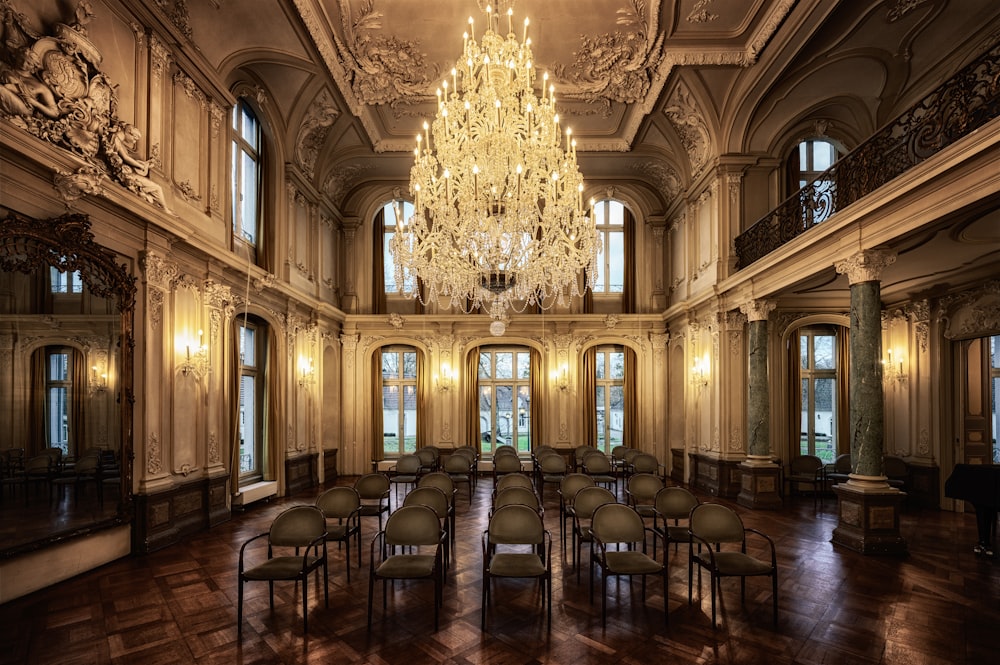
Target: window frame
[(65, 384), (518, 417), (395, 207), (808, 377), (401, 383), (254, 150), (603, 358), (609, 220), (256, 373)]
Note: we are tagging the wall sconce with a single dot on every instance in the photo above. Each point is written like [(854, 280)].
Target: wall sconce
[(307, 372), (447, 378), (98, 379), (560, 377), (892, 367), (196, 359), (700, 372)]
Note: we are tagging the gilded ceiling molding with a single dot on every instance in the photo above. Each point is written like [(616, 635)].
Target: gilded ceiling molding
[(322, 113), (689, 121), (619, 66)]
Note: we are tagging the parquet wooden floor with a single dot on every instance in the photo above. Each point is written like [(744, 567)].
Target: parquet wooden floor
[(940, 604)]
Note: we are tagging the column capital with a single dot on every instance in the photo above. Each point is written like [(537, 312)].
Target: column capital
[(866, 265), (758, 310)]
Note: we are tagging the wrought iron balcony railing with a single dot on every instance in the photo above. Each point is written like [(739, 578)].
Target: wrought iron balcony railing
[(963, 104)]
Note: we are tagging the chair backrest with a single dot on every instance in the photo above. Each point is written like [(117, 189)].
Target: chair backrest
[(522, 496), (338, 502), (617, 523), (515, 524), (297, 526), (427, 456), (894, 467), (457, 464), (552, 463), (582, 451), (675, 503), (542, 450), (573, 483), (590, 499), (618, 452), (407, 464), (86, 465), (38, 464), (805, 465), (645, 463), (466, 452), (507, 464), (413, 525), (642, 487), (514, 480), (715, 523), (429, 496), (504, 449), (842, 464), (440, 480), (597, 462), (630, 454), (372, 486)]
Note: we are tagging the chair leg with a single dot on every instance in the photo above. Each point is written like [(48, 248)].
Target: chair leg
[(604, 597), (270, 592), (239, 609), (715, 580), (305, 604), (371, 590)]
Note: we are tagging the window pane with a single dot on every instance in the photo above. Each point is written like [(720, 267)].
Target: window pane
[(505, 365), (599, 213), (600, 286), (599, 370), (486, 417), (616, 416), (390, 365), (391, 419), (995, 353), (617, 213), (58, 418), (803, 352), (523, 419), (59, 367), (409, 419), (616, 262), (505, 413), (804, 421), (485, 365), (248, 352), (523, 365), (824, 400), (823, 155), (617, 360), (248, 429), (249, 126), (601, 432), (248, 199), (823, 351), (410, 365)]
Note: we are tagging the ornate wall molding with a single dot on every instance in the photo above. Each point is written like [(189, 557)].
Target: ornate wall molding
[(689, 121)]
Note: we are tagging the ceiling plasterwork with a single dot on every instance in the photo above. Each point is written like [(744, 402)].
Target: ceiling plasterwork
[(609, 61)]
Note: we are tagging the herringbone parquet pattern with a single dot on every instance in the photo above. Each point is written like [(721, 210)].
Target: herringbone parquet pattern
[(938, 605)]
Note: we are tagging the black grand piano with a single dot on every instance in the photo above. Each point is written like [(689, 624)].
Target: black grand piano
[(979, 484)]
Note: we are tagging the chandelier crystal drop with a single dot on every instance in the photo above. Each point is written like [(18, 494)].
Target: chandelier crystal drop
[(499, 221)]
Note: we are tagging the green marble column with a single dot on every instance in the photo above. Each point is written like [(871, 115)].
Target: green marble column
[(758, 403), (867, 412)]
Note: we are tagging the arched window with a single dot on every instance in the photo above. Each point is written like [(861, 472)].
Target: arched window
[(505, 398), (246, 179), (609, 398), (253, 362), (818, 392)]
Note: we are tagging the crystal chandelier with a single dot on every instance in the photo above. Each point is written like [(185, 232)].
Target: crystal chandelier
[(499, 221)]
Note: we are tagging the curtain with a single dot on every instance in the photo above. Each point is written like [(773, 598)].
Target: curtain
[(471, 399), (274, 411), (628, 290), (794, 447), (234, 409), (590, 397), (423, 424), (378, 263), (378, 427), (36, 404), (843, 442), (535, 391), (630, 429), (78, 405)]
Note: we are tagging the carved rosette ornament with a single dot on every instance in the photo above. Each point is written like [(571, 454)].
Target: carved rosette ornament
[(865, 266)]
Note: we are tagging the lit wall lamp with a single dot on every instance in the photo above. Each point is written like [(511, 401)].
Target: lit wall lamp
[(560, 377), (699, 372), (98, 379), (446, 379), (196, 359), (892, 366), (307, 372)]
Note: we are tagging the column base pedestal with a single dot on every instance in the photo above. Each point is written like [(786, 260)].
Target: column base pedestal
[(869, 519), (759, 485)]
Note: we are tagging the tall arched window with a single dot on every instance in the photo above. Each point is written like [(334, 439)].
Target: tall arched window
[(246, 179), (609, 386), (505, 398), (253, 362), (818, 392), (810, 159), (393, 214)]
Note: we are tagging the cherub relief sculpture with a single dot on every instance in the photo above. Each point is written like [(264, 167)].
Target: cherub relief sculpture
[(52, 87)]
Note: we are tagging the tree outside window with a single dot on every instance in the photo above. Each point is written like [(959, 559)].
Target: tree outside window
[(505, 399), (399, 400), (818, 375), (609, 385)]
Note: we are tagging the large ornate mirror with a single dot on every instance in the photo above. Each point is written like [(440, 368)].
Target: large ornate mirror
[(66, 347)]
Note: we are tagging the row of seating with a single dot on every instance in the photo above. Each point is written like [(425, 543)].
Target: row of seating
[(417, 539)]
